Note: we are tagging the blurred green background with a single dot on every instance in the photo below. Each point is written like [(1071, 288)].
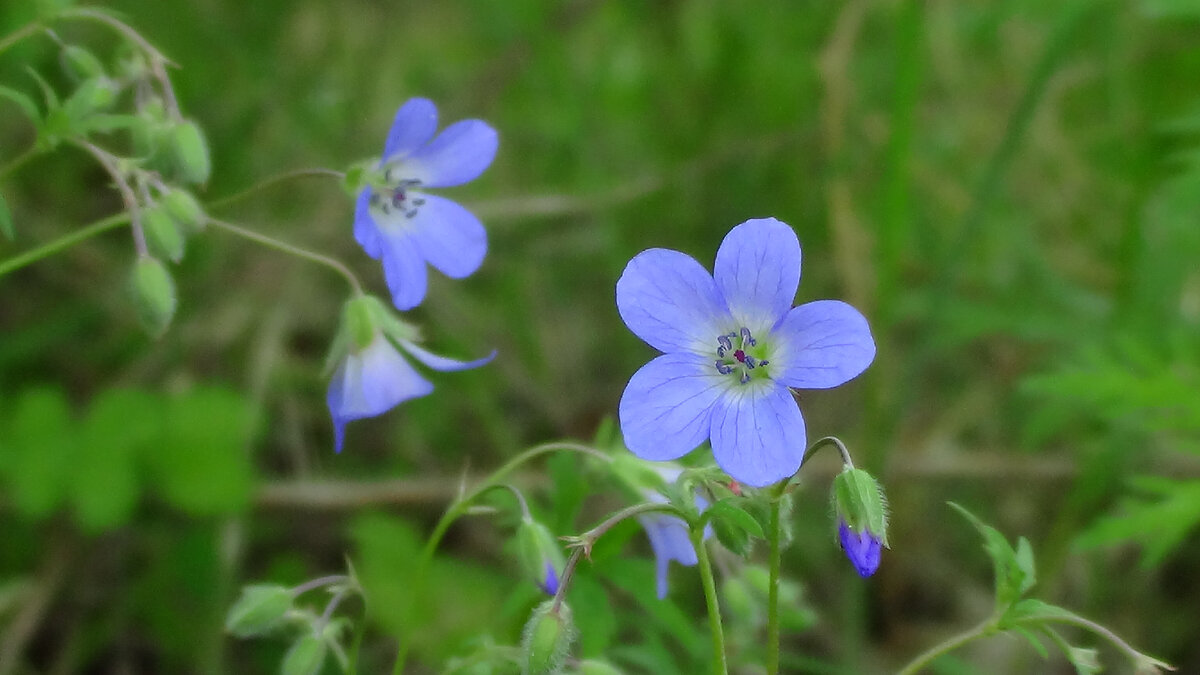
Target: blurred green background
[(1009, 191)]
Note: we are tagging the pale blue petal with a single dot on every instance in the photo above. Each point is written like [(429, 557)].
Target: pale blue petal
[(670, 541), (404, 270), (458, 155), (758, 433), (371, 382), (820, 345), (666, 408), (450, 237), (758, 272), (366, 232), (441, 362), (670, 301), (413, 126)]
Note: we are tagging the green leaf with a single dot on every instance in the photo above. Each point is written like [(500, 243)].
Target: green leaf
[(40, 444), (305, 657), (1033, 640), (733, 510), (594, 615), (1011, 578), (260, 609), (25, 103), (6, 222), (121, 425), (203, 464), (1159, 518)]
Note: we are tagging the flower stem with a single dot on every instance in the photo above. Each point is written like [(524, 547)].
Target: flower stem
[(460, 506), (984, 628), (278, 245), (20, 160), (719, 666), (66, 241), (271, 182), (18, 35), (775, 563)]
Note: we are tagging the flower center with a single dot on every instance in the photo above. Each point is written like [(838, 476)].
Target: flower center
[(395, 196), (739, 355)]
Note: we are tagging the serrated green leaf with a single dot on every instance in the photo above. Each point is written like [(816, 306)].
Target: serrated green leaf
[(24, 102), (1160, 519), (733, 511), (1011, 580), (6, 222)]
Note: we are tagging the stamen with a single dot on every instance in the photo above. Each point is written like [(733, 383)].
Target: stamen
[(747, 339), (724, 368)]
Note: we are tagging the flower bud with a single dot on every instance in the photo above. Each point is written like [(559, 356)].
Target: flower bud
[(547, 639), (260, 609), (593, 667), (305, 657), (162, 234), (190, 152), (541, 557), (184, 210), (861, 512), (154, 294)]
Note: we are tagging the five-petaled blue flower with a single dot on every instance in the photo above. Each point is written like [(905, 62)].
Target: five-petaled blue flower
[(733, 347), (862, 548), (372, 376), (397, 221)]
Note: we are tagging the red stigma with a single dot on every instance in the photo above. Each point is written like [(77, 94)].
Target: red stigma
[(740, 355)]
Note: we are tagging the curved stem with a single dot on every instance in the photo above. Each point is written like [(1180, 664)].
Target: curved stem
[(112, 164), (271, 182), (1114, 639), (19, 161), (949, 645), (66, 241), (459, 507), (829, 440), (319, 582), (18, 35), (271, 242), (719, 666), (115, 23)]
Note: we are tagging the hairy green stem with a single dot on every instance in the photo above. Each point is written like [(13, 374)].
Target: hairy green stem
[(278, 245), (774, 565), (271, 182), (719, 666), (460, 506), (66, 241), (927, 657)]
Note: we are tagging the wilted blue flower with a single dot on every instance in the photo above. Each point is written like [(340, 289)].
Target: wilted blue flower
[(375, 377), (397, 221), (863, 549), (733, 346), (669, 535)]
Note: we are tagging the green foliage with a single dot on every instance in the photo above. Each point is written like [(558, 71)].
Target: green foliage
[(1159, 516), (260, 609)]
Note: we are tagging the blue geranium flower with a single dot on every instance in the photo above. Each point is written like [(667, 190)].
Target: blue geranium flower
[(733, 347), (373, 378), (862, 548), (396, 221)]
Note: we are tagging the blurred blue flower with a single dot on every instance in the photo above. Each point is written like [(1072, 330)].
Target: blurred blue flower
[(549, 583), (863, 549), (733, 346), (397, 221), (372, 380)]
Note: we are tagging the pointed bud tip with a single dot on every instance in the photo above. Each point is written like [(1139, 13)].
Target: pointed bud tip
[(863, 549)]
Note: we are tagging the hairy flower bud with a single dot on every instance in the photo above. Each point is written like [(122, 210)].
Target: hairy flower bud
[(540, 555), (861, 512), (547, 639), (154, 294), (162, 234), (593, 667), (260, 609)]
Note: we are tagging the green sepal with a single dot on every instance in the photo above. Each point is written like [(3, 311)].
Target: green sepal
[(163, 235), (536, 546), (184, 209), (305, 657), (859, 502), (593, 667), (92, 96), (80, 63), (396, 330), (260, 609), (154, 294)]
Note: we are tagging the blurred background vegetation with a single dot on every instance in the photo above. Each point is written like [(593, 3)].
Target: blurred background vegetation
[(1010, 192)]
